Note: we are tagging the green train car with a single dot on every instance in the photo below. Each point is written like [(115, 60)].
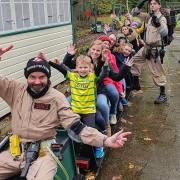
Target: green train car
[(67, 168)]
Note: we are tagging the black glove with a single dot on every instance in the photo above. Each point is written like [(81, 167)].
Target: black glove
[(141, 4), (155, 21)]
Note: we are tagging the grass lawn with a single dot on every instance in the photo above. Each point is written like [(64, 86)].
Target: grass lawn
[(105, 19)]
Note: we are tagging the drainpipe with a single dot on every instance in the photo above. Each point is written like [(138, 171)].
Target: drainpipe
[(73, 19)]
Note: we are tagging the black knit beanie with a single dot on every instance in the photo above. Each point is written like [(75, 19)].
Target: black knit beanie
[(37, 65)]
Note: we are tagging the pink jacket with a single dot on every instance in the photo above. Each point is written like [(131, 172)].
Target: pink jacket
[(108, 80)]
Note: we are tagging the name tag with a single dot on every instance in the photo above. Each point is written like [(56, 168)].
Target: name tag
[(42, 106)]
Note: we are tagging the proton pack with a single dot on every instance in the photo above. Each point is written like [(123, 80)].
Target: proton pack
[(170, 15)]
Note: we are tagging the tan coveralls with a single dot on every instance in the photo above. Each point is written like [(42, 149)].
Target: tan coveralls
[(152, 40), (32, 123)]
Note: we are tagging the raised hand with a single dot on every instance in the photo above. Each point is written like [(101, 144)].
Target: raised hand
[(57, 61), (141, 3), (4, 50), (71, 49), (105, 55), (41, 55), (117, 140), (122, 95), (129, 62)]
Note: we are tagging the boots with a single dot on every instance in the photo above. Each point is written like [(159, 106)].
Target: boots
[(162, 97), (108, 129), (136, 86), (136, 83)]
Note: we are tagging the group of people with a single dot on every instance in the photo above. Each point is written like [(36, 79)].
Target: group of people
[(98, 86), (148, 44)]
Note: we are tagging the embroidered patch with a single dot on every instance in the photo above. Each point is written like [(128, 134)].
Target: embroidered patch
[(42, 106)]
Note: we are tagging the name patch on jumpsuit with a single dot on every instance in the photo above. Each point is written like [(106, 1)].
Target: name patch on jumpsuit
[(42, 106)]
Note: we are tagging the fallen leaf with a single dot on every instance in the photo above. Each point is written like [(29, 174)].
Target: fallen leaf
[(131, 116), (162, 125), (117, 177), (90, 176), (131, 166), (144, 130), (130, 104), (129, 122), (147, 139), (123, 120)]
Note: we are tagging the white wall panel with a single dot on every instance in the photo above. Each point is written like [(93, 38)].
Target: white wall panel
[(53, 42)]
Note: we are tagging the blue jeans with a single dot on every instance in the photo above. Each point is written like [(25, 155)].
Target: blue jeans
[(100, 121), (88, 119), (103, 107), (69, 99), (123, 81), (113, 96)]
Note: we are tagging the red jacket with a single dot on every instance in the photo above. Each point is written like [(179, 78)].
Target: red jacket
[(108, 80)]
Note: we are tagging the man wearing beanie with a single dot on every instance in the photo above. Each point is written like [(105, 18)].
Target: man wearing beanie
[(37, 66), (37, 109), (156, 29)]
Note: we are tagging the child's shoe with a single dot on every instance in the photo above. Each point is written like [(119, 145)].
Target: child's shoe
[(124, 101), (113, 119), (99, 152)]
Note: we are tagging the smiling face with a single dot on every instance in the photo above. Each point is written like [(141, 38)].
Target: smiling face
[(83, 69), (37, 81), (112, 37), (127, 50), (95, 51), (83, 65), (106, 44), (125, 30), (122, 42)]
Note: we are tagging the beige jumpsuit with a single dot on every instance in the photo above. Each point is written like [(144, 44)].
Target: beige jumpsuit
[(152, 40), (33, 123)]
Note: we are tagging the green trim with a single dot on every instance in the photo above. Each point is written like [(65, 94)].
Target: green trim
[(34, 29), (83, 101), (84, 107), (82, 94), (89, 81), (89, 88)]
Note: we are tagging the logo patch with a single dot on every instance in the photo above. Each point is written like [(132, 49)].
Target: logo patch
[(42, 106)]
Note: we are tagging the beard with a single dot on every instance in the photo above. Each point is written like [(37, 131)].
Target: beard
[(37, 88), (37, 91)]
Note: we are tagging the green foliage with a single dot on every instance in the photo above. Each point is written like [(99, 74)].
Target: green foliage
[(132, 4), (105, 19), (178, 25), (105, 6), (82, 32)]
